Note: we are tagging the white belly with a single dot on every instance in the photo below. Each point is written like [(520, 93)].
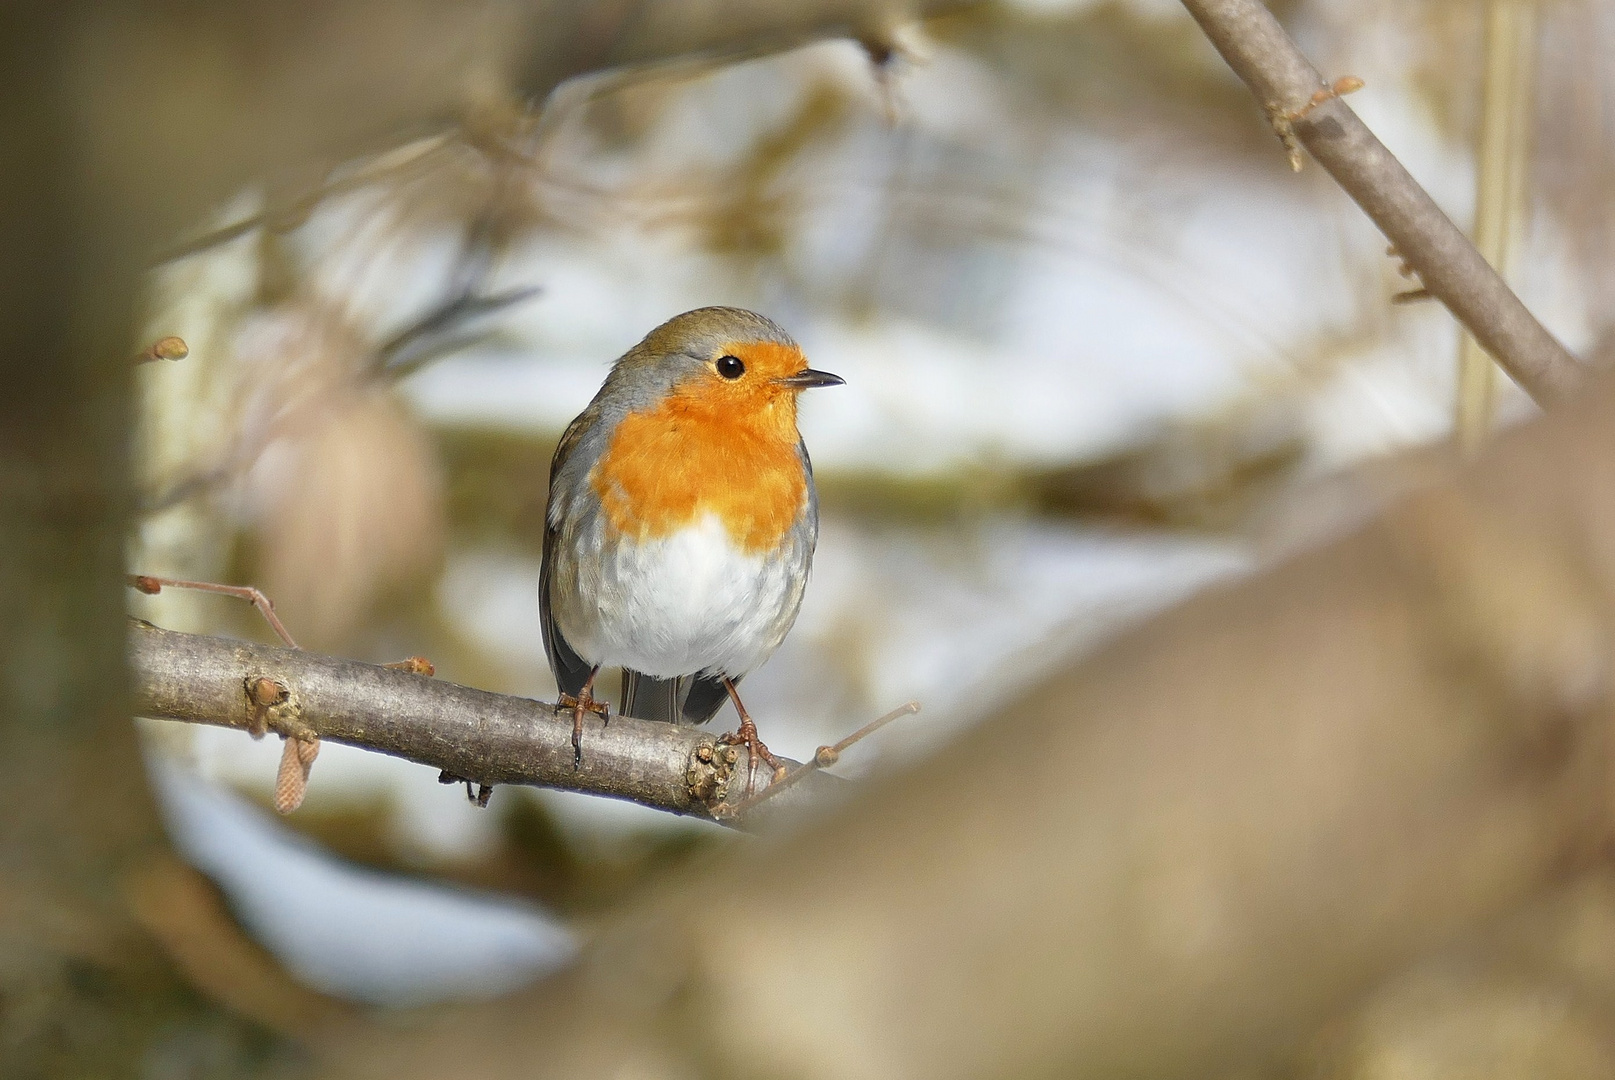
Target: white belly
[(690, 602)]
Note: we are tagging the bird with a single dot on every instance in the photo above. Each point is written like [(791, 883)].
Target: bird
[(681, 524)]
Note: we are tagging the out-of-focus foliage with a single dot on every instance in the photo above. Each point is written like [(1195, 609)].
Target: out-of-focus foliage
[(1078, 294)]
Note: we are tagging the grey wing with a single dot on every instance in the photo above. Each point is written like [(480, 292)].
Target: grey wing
[(571, 670), (810, 511)]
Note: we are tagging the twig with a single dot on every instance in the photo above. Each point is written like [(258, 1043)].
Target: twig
[(167, 348), (413, 347), (470, 735), (1253, 43), (378, 168), (823, 758), (264, 694), (151, 586)]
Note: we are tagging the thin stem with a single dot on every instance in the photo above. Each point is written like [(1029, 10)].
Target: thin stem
[(822, 759), (1499, 190), (151, 586)]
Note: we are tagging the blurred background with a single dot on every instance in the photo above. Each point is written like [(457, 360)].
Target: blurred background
[(1102, 347)]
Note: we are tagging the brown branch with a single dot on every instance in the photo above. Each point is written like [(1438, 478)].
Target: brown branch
[(469, 734), (1298, 100)]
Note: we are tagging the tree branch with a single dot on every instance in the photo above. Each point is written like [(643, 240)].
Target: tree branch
[(470, 734), (1297, 98)]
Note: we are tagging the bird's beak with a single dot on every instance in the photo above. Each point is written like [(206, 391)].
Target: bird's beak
[(807, 379)]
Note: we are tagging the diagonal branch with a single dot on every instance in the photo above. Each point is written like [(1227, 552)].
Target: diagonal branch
[(1298, 99), (469, 734)]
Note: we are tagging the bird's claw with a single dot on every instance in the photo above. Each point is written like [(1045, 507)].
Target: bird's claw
[(582, 703), (746, 735)]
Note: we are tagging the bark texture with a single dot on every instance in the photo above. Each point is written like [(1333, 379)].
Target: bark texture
[(475, 735)]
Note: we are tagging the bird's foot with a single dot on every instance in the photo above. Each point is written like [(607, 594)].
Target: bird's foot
[(746, 735), (584, 702)]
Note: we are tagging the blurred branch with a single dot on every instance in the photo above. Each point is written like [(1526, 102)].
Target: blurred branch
[(338, 85), (442, 330), (186, 913), (292, 211), (1179, 857), (1298, 99), (469, 734)]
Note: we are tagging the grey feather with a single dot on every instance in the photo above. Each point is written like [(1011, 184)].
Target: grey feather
[(646, 697), (571, 671), (706, 696)]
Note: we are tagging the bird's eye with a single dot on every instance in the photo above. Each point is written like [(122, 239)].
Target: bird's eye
[(731, 367)]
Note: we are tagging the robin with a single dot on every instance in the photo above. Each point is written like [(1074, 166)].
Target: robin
[(681, 523)]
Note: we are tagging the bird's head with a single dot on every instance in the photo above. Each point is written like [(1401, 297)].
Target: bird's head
[(728, 364)]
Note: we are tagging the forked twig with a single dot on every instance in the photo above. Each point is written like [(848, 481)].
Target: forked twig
[(297, 754), (151, 586), (478, 797), (823, 758)]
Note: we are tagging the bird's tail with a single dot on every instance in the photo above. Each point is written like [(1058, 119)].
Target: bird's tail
[(646, 697), (691, 699), (705, 697)]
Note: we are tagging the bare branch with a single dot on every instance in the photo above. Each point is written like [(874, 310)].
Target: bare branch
[(474, 735), (1298, 100)]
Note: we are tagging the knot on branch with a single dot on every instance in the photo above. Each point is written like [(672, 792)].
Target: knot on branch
[(272, 706), (1284, 120), (707, 775), (265, 696)]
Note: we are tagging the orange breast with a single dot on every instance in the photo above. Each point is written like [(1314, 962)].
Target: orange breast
[(668, 466)]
